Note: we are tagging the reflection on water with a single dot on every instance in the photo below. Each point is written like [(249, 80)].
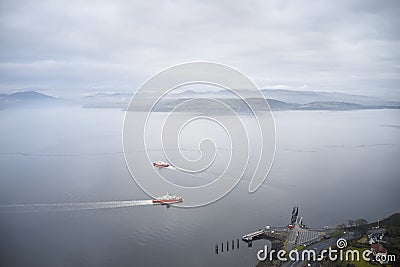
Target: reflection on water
[(334, 165)]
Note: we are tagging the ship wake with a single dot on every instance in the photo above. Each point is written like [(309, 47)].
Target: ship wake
[(22, 208)]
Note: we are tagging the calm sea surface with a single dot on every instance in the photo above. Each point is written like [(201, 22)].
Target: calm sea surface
[(334, 165)]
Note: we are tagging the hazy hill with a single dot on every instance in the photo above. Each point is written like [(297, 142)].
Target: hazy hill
[(303, 97), (277, 99), (28, 99), (329, 105), (291, 96), (391, 224), (104, 100)]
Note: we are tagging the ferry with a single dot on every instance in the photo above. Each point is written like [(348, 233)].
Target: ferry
[(160, 164), (167, 199)]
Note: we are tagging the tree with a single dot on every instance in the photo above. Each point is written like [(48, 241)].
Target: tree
[(361, 222)]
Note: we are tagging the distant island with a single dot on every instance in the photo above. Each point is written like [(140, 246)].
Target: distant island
[(278, 100), (28, 99)]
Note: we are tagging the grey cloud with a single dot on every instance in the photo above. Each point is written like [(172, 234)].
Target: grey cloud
[(68, 46)]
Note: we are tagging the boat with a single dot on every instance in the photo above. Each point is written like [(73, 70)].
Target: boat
[(167, 199), (160, 164)]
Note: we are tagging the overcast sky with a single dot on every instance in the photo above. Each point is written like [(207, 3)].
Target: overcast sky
[(80, 47)]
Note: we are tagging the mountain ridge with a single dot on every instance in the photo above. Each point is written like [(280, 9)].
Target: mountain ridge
[(278, 99)]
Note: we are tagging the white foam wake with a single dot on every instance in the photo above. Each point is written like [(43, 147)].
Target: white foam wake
[(17, 208)]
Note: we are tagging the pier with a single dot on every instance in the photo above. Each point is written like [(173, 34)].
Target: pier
[(217, 251), (251, 236)]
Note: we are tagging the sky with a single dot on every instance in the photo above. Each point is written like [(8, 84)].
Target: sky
[(69, 48)]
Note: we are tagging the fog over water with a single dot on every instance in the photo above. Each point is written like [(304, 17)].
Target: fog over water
[(334, 165)]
